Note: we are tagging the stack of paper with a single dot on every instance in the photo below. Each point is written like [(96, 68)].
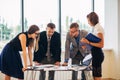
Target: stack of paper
[(87, 57), (40, 67), (78, 68), (57, 68)]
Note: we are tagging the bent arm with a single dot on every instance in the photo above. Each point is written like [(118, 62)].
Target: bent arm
[(99, 44), (67, 47)]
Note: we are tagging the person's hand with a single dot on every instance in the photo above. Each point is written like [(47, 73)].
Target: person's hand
[(24, 68), (72, 34), (64, 64), (36, 63), (83, 47), (30, 64), (84, 40), (57, 63)]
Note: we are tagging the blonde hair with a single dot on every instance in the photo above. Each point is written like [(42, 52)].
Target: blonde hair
[(36, 43)]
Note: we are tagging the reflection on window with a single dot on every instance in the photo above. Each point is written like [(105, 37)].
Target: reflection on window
[(9, 20), (41, 12), (74, 11)]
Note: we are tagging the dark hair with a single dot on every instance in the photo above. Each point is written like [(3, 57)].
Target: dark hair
[(33, 29), (93, 17), (51, 25), (74, 25)]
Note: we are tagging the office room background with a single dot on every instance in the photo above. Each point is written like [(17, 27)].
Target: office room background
[(17, 15)]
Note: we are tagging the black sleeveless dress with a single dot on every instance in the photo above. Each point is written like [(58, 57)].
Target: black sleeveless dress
[(11, 62)]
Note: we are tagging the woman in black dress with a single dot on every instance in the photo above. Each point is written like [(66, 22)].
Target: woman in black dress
[(11, 61), (97, 53)]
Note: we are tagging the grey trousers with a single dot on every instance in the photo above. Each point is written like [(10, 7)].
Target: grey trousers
[(76, 61), (43, 73)]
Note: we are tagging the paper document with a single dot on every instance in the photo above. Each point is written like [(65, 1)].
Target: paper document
[(57, 68), (44, 66), (89, 56)]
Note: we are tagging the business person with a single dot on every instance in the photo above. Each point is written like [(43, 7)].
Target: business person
[(49, 51), (97, 53), (11, 62), (73, 49)]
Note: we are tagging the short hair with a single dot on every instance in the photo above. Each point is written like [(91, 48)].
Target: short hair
[(74, 25), (93, 17), (51, 25), (32, 29)]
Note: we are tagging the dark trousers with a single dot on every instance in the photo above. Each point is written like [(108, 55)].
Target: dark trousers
[(76, 61), (42, 75), (42, 72)]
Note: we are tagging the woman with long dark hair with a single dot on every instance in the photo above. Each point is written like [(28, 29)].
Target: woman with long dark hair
[(11, 60)]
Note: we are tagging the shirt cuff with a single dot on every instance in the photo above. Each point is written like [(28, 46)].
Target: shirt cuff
[(66, 60)]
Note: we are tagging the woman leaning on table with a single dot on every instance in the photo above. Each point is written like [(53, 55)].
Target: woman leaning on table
[(97, 53), (11, 62)]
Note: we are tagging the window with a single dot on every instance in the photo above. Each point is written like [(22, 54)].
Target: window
[(99, 9), (9, 20), (41, 12), (74, 11)]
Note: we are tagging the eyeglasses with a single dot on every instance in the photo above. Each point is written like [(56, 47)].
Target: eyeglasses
[(37, 33), (73, 31)]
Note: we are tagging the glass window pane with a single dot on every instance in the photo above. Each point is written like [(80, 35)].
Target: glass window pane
[(9, 20), (41, 12), (74, 11), (99, 9)]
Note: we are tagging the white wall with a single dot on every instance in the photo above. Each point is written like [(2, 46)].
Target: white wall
[(118, 37), (112, 37), (119, 27)]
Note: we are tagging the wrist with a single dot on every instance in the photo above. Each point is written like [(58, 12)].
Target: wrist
[(88, 42), (25, 66)]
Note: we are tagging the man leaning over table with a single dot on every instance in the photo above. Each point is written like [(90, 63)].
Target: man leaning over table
[(73, 48), (49, 50)]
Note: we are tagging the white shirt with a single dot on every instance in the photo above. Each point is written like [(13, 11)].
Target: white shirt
[(98, 29)]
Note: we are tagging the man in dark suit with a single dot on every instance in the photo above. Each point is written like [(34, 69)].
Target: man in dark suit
[(49, 51)]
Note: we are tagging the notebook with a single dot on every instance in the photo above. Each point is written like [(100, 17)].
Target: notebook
[(92, 38)]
